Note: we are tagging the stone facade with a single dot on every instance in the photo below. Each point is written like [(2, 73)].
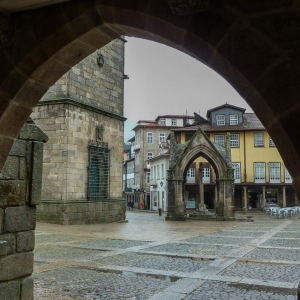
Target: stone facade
[(88, 97), (20, 192), (181, 156)]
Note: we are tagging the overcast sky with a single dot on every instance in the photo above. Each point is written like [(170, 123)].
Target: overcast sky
[(165, 81)]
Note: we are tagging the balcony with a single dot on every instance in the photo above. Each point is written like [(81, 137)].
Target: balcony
[(163, 144), (153, 182), (136, 147), (128, 190)]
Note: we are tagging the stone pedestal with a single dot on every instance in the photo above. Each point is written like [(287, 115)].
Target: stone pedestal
[(225, 212), (176, 213)]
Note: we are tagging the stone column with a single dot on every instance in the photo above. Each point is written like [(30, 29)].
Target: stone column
[(216, 200), (245, 196), (201, 187), (176, 205), (225, 208), (264, 196), (283, 197), (296, 200), (20, 192)]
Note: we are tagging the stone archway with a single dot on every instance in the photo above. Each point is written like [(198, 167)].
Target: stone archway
[(254, 46), (180, 159)]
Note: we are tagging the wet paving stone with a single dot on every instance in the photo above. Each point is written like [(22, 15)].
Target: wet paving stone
[(288, 234), (85, 283), (155, 262), (110, 243), (273, 272), (219, 240), (236, 233), (290, 243), (274, 254), (216, 290), (62, 253), (56, 238), (198, 249), (78, 262)]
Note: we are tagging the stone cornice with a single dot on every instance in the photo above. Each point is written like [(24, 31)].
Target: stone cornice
[(82, 105)]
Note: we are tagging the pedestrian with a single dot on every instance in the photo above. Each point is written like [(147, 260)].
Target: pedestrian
[(132, 205)]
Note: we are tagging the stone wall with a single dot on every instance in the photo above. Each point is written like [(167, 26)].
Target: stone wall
[(70, 128), (20, 192), (86, 97), (82, 212), (93, 85)]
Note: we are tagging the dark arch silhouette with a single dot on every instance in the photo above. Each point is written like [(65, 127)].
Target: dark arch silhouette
[(255, 47)]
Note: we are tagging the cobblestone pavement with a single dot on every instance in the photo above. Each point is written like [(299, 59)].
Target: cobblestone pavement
[(148, 258)]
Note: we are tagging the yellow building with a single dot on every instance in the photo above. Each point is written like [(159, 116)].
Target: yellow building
[(261, 178)]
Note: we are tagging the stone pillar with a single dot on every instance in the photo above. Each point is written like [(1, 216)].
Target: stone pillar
[(176, 205), (202, 206), (283, 197), (20, 192), (225, 208), (264, 196), (245, 196), (296, 200), (216, 200)]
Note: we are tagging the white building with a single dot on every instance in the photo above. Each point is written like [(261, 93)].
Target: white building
[(158, 182)]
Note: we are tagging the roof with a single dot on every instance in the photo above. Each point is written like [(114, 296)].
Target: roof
[(166, 154), (224, 105), (174, 116), (145, 121), (132, 139), (250, 122), (154, 125)]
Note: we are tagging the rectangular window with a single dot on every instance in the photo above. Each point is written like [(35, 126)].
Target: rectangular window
[(220, 120), (235, 140), (151, 173), (162, 171), (138, 139), (162, 121), (162, 137), (219, 138), (206, 175), (258, 139), (149, 137), (190, 175), (274, 172), (154, 174), (149, 155), (130, 182), (130, 167), (157, 169), (174, 122), (287, 176), (148, 177), (271, 143), (237, 172), (259, 172), (98, 172), (234, 119)]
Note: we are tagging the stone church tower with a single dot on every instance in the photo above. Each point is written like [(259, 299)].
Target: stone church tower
[(82, 114)]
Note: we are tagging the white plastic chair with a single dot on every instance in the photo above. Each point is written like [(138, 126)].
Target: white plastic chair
[(274, 211), (291, 211), (282, 212)]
